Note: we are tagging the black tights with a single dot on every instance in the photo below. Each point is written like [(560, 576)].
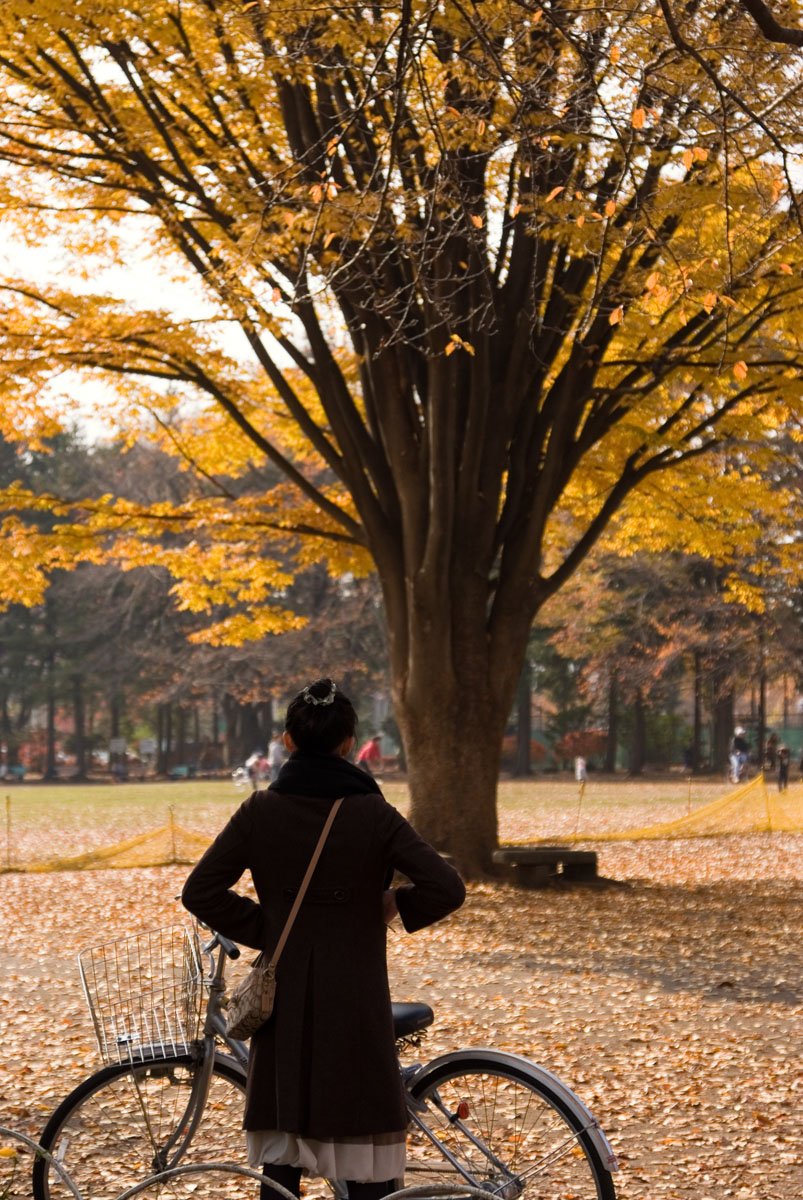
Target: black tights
[(290, 1178)]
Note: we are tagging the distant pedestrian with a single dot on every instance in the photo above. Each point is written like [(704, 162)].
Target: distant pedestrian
[(739, 754), (369, 756), (276, 755), (783, 768), (256, 765), (580, 771)]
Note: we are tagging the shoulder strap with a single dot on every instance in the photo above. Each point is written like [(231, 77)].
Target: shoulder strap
[(313, 862)]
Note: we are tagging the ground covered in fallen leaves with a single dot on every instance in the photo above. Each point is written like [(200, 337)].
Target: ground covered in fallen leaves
[(671, 1001)]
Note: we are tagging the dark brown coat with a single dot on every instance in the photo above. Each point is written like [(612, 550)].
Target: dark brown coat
[(324, 1065)]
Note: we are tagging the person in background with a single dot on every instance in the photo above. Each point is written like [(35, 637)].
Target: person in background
[(276, 755), (369, 756), (739, 753), (324, 1094), (784, 755), (253, 765)]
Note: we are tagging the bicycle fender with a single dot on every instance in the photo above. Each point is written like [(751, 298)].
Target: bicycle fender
[(502, 1058), (227, 1060)]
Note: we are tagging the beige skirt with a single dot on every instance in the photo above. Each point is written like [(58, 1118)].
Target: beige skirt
[(373, 1158)]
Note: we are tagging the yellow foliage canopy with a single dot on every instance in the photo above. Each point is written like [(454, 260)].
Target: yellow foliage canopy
[(468, 279)]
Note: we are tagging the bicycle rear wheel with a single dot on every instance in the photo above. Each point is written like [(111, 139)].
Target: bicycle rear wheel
[(508, 1130), (114, 1130)]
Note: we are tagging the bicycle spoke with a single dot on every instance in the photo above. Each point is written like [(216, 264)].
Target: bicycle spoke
[(505, 1133), (123, 1130)]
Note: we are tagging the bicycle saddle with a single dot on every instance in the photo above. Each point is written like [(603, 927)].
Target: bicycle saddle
[(411, 1018)]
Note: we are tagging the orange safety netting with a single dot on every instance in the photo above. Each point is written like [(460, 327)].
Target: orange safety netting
[(161, 848), (751, 808)]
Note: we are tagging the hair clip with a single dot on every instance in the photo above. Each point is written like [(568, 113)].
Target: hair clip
[(328, 699)]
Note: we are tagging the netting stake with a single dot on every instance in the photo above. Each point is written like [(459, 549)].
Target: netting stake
[(579, 806), (688, 802), (173, 858), (8, 833)]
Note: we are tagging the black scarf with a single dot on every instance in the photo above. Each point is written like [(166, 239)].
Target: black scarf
[(325, 775)]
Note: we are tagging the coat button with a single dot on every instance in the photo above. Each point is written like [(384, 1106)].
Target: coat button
[(339, 894)]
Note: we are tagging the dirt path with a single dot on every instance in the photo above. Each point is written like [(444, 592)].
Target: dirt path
[(672, 1004)]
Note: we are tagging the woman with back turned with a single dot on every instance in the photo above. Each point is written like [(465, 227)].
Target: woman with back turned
[(324, 1096)]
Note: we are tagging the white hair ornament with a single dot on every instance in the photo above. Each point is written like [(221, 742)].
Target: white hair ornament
[(329, 698)]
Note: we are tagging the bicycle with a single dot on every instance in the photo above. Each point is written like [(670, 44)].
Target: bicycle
[(172, 1092)]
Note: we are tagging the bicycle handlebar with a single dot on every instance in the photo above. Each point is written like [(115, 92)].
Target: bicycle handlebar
[(218, 939), (227, 946)]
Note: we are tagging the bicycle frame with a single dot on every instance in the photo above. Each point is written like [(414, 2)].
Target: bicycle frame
[(214, 1032)]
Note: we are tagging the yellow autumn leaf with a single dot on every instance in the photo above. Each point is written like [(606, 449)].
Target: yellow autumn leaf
[(556, 191), (457, 343), (637, 120), (616, 315), (740, 370), (610, 208)]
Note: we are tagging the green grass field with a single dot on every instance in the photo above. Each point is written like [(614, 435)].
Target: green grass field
[(42, 821)]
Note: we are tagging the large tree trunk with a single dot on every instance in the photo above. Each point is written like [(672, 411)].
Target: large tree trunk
[(453, 774), (453, 687)]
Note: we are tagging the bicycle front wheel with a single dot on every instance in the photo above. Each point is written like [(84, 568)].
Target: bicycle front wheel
[(119, 1126), (501, 1126)]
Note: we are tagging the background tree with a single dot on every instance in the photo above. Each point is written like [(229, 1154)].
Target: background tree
[(496, 268)]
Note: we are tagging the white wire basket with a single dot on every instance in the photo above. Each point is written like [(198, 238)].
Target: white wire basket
[(144, 993)]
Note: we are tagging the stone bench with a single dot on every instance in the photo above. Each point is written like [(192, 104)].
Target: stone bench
[(538, 866)]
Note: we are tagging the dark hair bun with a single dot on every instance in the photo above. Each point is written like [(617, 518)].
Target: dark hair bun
[(320, 718)]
